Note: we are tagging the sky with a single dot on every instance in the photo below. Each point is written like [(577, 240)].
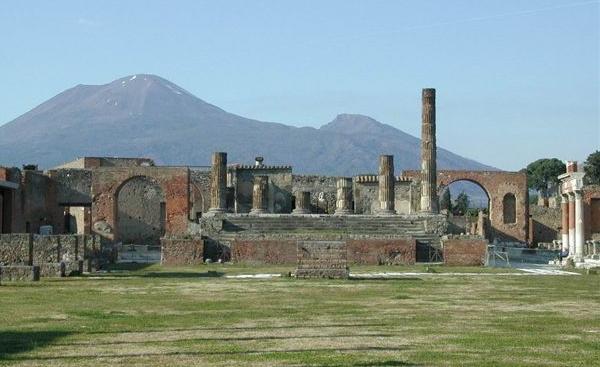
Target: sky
[(516, 80)]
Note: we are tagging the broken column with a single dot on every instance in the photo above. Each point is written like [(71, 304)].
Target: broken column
[(302, 203), (564, 206), (386, 185), (218, 183), (343, 204), (429, 203), (259, 195)]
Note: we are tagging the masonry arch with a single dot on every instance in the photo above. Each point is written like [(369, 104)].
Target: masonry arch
[(140, 211)]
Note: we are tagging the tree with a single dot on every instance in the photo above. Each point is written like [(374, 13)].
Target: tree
[(592, 168), (462, 204), (446, 200), (543, 174)]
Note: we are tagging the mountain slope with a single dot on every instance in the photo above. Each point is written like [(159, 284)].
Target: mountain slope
[(148, 116)]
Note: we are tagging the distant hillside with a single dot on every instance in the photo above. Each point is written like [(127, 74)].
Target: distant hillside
[(148, 116)]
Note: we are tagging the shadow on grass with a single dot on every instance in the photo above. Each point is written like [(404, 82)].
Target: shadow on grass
[(183, 274), (397, 279), (389, 363), (13, 342), (128, 266)]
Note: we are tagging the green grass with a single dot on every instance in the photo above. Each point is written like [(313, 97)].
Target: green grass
[(155, 316)]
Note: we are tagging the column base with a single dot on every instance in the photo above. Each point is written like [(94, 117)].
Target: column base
[(385, 212), (300, 211), (343, 212), (213, 211), (257, 211)]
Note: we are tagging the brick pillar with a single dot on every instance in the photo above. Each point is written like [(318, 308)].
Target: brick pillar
[(564, 207), (429, 202), (218, 183), (302, 203), (343, 204), (386, 185), (571, 224), (579, 232), (259, 195)]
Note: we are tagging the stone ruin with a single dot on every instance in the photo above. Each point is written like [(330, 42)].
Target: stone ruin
[(254, 212)]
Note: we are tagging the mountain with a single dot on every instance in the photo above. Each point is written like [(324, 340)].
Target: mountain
[(148, 116)]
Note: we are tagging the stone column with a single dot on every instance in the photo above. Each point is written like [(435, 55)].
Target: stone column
[(218, 183), (429, 202), (343, 204), (564, 206), (259, 195), (302, 203), (579, 235), (387, 181), (571, 224)]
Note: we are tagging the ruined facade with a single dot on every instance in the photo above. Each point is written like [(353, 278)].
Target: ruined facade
[(256, 210)]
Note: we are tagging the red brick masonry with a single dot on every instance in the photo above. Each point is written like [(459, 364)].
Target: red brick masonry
[(468, 252), (380, 252), (182, 251)]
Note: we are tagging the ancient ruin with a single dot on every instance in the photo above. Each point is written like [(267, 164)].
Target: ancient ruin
[(259, 213)]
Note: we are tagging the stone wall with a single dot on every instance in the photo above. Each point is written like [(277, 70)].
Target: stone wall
[(73, 186), (591, 211), (182, 251), (465, 251), (263, 251), (39, 203), (19, 273), (382, 252), (366, 200), (16, 248), (279, 193), (322, 192), (545, 224), (199, 193)]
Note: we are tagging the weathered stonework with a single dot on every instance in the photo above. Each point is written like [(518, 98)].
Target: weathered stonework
[(218, 183), (302, 203), (382, 252), (182, 251), (429, 203), (322, 259), (464, 251), (387, 181), (259, 195), (19, 273), (344, 196), (261, 251)]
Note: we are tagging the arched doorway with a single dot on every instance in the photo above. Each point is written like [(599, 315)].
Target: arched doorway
[(141, 212), (462, 200)]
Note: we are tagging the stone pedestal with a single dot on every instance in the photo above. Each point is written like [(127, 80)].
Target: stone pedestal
[(387, 181), (429, 202), (302, 203), (259, 195), (322, 259), (218, 183), (343, 204)]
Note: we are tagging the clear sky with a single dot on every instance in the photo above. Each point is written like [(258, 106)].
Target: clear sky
[(516, 80)]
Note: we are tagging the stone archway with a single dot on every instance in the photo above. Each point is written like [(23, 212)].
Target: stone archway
[(140, 211)]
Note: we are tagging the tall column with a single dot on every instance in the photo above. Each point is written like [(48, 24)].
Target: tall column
[(564, 206), (218, 183), (259, 195), (302, 203), (571, 224), (579, 235), (387, 181), (343, 204), (429, 202)]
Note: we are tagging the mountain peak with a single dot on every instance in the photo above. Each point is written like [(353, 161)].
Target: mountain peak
[(348, 123)]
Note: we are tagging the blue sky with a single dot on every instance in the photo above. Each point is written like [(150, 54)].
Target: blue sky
[(516, 80)]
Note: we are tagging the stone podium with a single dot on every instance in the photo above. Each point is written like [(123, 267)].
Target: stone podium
[(322, 259)]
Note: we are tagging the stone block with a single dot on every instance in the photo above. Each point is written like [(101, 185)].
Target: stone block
[(182, 251), (322, 259), (15, 248)]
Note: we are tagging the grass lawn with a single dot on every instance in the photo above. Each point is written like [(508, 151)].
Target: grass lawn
[(158, 316)]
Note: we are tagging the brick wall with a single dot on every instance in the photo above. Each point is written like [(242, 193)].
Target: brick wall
[(465, 251), (264, 251), (380, 252), (182, 251)]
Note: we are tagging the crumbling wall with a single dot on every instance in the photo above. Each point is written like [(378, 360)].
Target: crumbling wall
[(199, 193), (73, 186), (545, 224), (366, 195), (591, 210), (322, 192), (264, 251), (182, 251), (382, 252), (16, 248)]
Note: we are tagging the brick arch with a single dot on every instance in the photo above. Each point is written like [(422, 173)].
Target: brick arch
[(496, 184), (442, 188)]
